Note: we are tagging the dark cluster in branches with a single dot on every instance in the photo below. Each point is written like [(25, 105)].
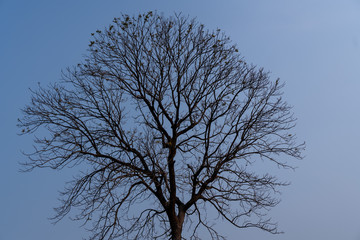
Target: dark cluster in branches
[(166, 120)]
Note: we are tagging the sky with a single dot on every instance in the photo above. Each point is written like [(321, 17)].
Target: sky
[(311, 45)]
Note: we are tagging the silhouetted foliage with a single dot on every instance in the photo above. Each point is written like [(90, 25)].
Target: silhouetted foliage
[(166, 121)]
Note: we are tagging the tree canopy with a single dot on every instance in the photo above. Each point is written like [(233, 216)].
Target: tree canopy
[(166, 120)]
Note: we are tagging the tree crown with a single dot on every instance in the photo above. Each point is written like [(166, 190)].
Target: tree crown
[(163, 110)]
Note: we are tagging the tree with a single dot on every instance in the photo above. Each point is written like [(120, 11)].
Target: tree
[(166, 120)]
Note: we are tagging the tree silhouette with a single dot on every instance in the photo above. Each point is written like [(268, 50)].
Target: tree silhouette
[(166, 121)]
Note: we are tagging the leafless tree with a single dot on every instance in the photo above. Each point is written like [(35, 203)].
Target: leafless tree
[(166, 120)]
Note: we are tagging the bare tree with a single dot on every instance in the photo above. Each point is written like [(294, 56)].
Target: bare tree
[(166, 121)]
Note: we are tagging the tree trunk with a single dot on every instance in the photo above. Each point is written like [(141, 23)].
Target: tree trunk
[(176, 226), (176, 234)]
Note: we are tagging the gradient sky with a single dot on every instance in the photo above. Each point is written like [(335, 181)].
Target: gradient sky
[(312, 45)]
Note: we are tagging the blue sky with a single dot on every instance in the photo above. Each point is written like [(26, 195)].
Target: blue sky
[(312, 45)]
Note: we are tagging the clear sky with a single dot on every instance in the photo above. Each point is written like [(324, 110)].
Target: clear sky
[(312, 45)]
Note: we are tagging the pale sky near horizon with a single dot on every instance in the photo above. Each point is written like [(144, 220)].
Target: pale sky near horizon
[(311, 45)]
